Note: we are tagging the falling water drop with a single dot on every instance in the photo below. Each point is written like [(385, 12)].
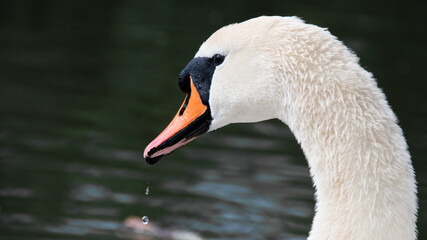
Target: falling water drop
[(147, 190), (144, 219)]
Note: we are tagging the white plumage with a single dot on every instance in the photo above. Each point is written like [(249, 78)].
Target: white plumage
[(280, 67)]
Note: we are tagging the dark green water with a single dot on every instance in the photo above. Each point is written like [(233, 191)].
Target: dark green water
[(85, 85)]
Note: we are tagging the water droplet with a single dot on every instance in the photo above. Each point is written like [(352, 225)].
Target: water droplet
[(147, 190), (144, 219)]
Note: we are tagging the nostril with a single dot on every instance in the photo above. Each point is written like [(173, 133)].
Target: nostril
[(182, 110), (187, 98)]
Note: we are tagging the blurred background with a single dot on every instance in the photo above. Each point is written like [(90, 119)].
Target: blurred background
[(86, 85)]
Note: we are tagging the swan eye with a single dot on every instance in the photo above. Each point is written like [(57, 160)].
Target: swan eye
[(218, 59)]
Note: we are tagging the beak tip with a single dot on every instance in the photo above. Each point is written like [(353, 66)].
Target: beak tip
[(147, 157)]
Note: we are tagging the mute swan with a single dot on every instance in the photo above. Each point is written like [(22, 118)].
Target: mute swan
[(281, 67)]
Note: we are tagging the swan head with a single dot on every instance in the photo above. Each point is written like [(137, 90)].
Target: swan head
[(231, 79)]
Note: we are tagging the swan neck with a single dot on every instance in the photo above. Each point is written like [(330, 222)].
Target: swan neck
[(358, 159)]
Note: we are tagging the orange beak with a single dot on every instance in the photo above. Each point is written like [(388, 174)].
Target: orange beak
[(192, 120)]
